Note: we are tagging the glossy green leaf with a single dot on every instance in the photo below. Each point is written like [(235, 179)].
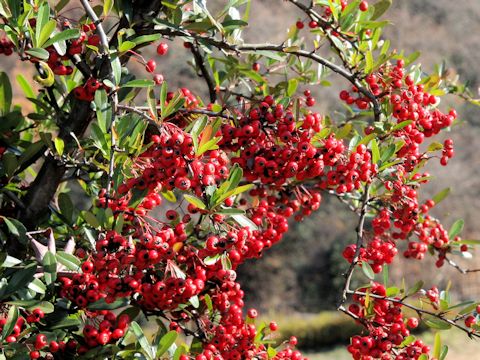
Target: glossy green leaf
[(38, 53), (62, 36), (46, 32), (167, 340), (195, 201)]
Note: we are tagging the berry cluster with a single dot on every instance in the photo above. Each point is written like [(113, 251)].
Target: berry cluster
[(387, 328)]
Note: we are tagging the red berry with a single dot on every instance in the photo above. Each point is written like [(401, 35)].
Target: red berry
[(363, 6), (162, 49), (150, 66)]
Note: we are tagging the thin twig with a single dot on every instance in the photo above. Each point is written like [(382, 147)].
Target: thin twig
[(416, 309), (105, 53), (200, 62), (359, 230)]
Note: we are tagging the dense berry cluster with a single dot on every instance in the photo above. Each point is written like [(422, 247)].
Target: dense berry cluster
[(386, 326)]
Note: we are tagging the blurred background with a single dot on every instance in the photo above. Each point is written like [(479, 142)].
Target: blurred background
[(298, 281)]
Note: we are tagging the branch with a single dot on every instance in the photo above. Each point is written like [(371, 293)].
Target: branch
[(200, 61), (359, 231), (460, 269), (141, 110), (223, 45), (105, 53), (418, 310)]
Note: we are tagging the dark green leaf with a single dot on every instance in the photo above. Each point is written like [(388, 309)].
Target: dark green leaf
[(5, 94), (11, 321), (21, 279)]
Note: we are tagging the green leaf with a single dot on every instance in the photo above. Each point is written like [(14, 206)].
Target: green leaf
[(43, 17), (375, 151), (66, 206), (59, 145), (63, 36), (102, 305), (368, 62), (45, 306), (344, 131), (195, 201), (468, 242), (456, 228), (208, 302), (126, 45), (11, 321), (139, 83), (292, 87), (367, 270), (443, 353), (65, 323), (107, 7), (90, 219), (5, 94), (436, 323), (423, 357), (38, 286), (17, 229), (415, 288), (103, 110), (401, 125), (46, 32), (50, 267), (380, 8), (71, 262), (441, 195), (165, 342), (142, 340), (20, 279), (38, 53), (146, 39), (435, 146), (245, 221)]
